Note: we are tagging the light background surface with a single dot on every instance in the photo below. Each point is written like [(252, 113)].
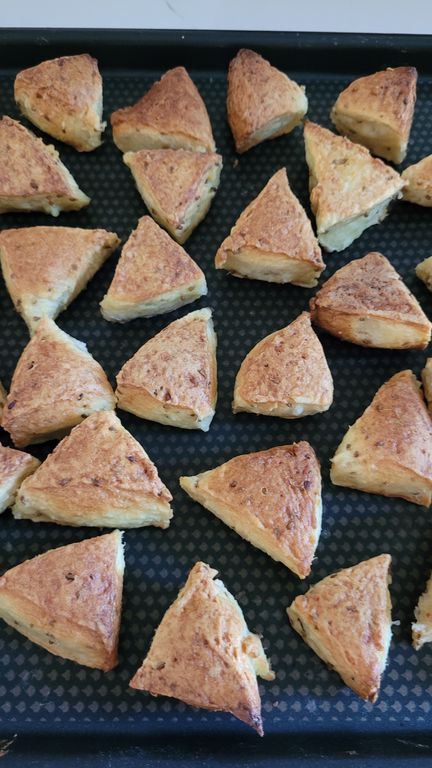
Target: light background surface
[(313, 15)]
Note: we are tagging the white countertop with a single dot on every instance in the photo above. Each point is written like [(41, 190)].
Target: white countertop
[(385, 16)]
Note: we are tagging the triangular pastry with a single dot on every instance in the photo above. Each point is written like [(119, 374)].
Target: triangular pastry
[(171, 115), (45, 268), (98, 475), (419, 178), (424, 272), (349, 189), (389, 448), (177, 186), (3, 396), (427, 382), (63, 97), (203, 653), (262, 102), (14, 467), (286, 374), (153, 275), (33, 178), (271, 498), (69, 599), (56, 383), (422, 626), (272, 239), (367, 303), (377, 111), (346, 620), (172, 378)]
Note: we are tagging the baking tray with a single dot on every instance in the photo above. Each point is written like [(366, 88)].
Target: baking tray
[(55, 712)]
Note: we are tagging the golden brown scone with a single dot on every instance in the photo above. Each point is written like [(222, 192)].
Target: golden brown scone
[(203, 653), (262, 102), (170, 115), (427, 382), (349, 189), (45, 268), (271, 498), (32, 177), (69, 599), (419, 178), (367, 303), (272, 239), (3, 396), (14, 467), (56, 384), (377, 111), (98, 475), (286, 374), (424, 272), (172, 378), (63, 97), (346, 620), (422, 626), (154, 275), (177, 186), (389, 448)]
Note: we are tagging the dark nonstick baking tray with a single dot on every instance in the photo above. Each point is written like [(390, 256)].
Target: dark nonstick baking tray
[(55, 712)]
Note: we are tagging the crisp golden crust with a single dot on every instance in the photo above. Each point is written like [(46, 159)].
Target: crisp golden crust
[(346, 620), (171, 114), (56, 383), (45, 268), (424, 272), (422, 627), (274, 223), (389, 448), (68, 600), (203, 653), (262, 102), (63, 97), (286, 374), (14, 467), (153, 275), (427, 382), (377, 111), (271, 498), (172, 378), (419, 178), (346, 182), (32, 177), (177, 186), (370, 290), (97, 475)]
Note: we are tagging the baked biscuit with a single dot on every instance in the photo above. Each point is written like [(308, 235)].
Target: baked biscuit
[(349, 189), (170, 115), (367, 303), (32, 177), (427, 382), (177, 186), (154, 275), (377, 111), (68, 600), (346, 620), (172, 378), (422, 626), (424, 272), (273, 240), (45, 268), (262, 102), (63, 97), (203, 653), (271, 498), (14, 467), (98, 475), (55, 385), (286, 374), (419, 178), (389, 448)]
